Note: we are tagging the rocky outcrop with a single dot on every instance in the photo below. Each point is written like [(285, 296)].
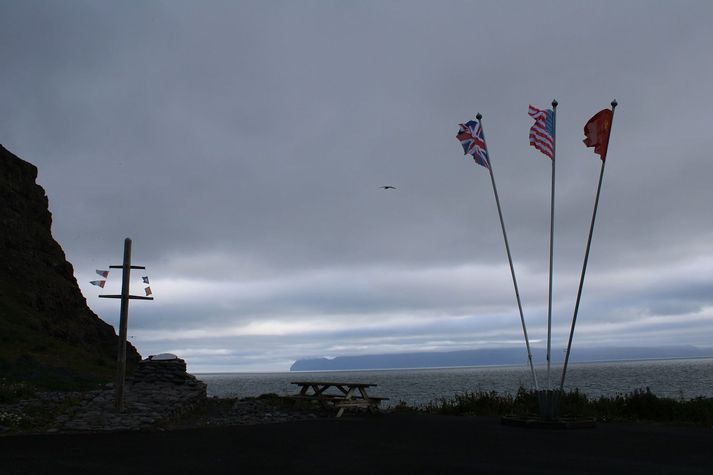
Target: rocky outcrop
[(165, 369), (48, 334)]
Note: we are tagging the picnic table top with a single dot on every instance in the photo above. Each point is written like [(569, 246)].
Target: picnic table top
[(330, 383)]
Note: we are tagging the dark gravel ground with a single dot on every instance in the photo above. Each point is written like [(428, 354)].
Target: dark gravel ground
[(389, 443)]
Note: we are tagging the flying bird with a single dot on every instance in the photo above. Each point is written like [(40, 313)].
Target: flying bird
[(388, 187)]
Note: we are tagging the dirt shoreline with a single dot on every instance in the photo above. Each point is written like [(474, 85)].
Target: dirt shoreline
[(389, 443)]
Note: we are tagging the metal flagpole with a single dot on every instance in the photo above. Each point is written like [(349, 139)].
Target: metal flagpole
[(507, 248), (586, 252), (552, 229)]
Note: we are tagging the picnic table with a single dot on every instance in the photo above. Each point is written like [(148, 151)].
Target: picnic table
[(349, 395)]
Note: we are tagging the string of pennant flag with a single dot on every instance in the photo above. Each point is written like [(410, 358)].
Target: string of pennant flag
[(105, 274), (101, 283)]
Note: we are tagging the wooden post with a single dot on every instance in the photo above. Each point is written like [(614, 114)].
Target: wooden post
[(124, 317), (123, 322)]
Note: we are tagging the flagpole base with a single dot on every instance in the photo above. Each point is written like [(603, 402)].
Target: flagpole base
[(549, 404)]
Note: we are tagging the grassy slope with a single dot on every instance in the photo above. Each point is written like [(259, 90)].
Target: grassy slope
[(31, 355)]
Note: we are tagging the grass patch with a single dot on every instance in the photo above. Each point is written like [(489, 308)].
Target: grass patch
[(11, 392), (35, 372), (640, 405)]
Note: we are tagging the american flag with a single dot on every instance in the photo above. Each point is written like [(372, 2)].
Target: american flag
[(99, 283), (473, 142), (542, 133)]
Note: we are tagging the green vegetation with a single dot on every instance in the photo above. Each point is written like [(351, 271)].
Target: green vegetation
[(11, 392), (640, 405), (35, 352), (22, 407), (71, 370)]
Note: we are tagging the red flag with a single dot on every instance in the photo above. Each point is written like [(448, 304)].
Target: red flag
[(148, 291), (597, 132)]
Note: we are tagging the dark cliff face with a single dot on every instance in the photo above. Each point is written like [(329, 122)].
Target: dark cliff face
[(48, 334)]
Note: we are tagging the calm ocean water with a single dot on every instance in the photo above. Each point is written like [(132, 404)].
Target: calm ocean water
[(679, 378)]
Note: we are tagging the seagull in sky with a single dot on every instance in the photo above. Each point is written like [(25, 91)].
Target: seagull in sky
[(388, 187)]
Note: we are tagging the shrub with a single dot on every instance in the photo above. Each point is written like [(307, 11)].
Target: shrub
[(639, 405), (9, 419), (12, 391)]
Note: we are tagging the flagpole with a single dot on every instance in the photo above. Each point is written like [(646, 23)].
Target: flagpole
[(507, 249), (586, 252), (552, 229)]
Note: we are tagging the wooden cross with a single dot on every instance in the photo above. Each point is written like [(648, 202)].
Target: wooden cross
[(124, 315)]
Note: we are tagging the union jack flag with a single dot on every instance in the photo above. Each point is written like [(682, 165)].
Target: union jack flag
[(473, 142), (542, 133)]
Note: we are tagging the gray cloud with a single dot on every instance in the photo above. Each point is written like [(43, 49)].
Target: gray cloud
[(241, 146)]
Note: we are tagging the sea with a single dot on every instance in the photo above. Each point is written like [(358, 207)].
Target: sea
[(673, 378)]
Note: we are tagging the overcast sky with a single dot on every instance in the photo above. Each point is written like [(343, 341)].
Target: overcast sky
[(241, 145)]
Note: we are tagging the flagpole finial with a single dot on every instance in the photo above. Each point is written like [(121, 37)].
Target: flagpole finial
[(478, 116), (614, 104), (554, 103)]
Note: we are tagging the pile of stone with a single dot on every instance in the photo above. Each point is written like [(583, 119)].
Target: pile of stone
[(248, 411), (254, 411), (160, 390), (165, 369)]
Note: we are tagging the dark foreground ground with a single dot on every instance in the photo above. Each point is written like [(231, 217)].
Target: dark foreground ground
[(392, 443)]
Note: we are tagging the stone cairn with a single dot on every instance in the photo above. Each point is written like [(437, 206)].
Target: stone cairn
[(160, 390), (167, 370)]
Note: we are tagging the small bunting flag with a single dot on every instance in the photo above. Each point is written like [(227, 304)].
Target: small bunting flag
[(146, 279), (99, 283), (148, 291), (103, 273)]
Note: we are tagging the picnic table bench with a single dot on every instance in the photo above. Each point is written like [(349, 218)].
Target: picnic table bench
[(350, 395)]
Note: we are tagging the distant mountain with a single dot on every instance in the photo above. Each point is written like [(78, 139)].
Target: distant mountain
[(48, 334), (497, 356)]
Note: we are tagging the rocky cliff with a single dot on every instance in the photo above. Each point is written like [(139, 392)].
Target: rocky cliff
[(495, 357), (48, 334)]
